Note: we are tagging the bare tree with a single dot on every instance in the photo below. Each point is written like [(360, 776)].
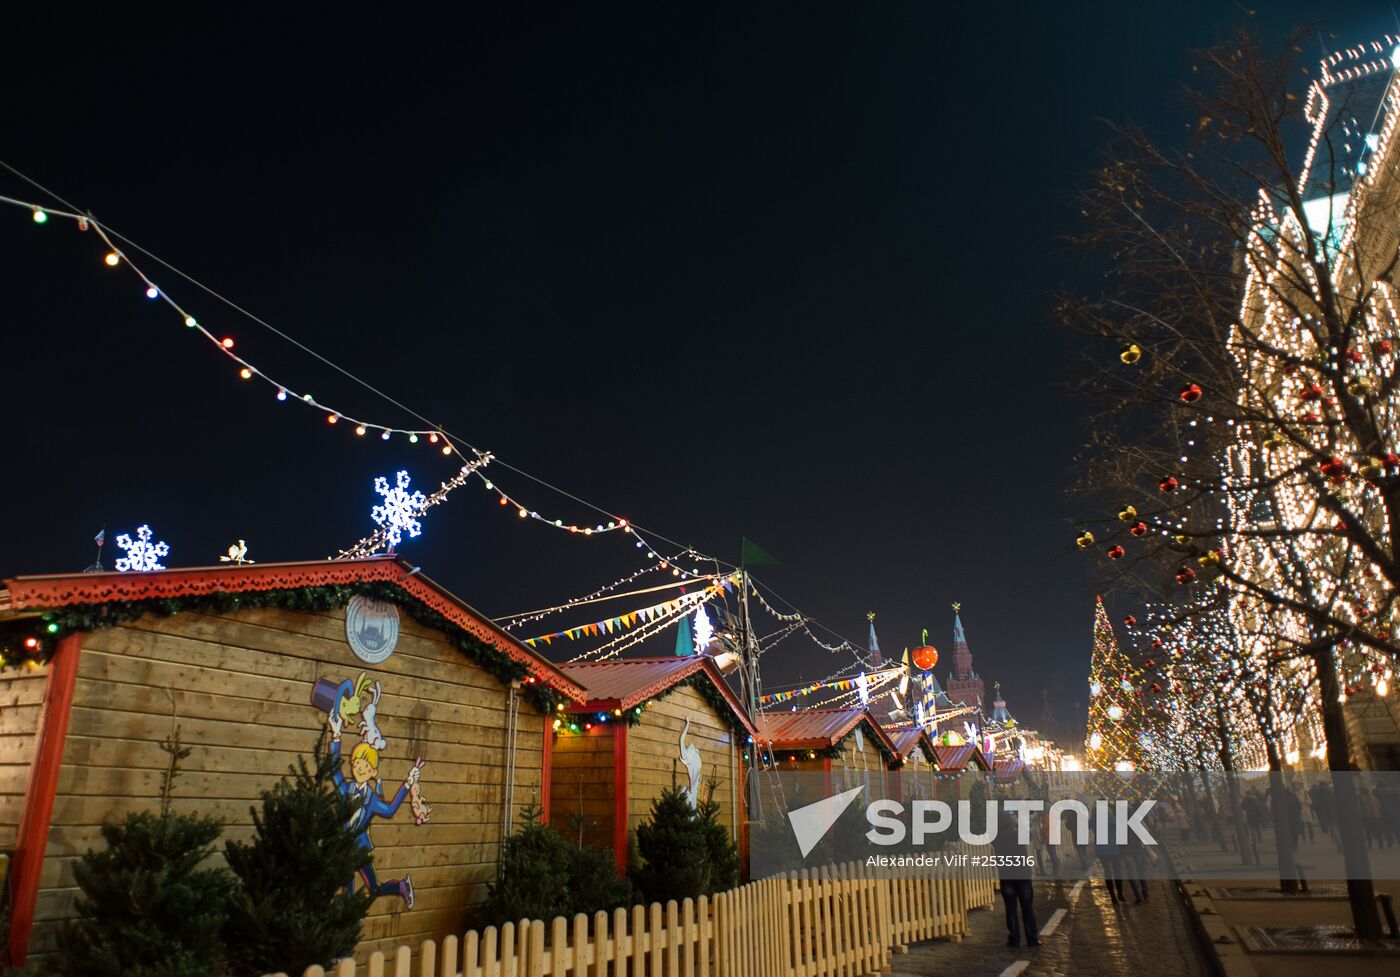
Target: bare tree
[(1250, 398)]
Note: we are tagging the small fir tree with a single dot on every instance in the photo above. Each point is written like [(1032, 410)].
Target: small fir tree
[(594, 882), (673, 850), (720, 848), (296, 907), (535, 870), (148, 909)]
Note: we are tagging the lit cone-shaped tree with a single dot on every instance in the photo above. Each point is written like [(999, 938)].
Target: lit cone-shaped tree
[(1116, 717)]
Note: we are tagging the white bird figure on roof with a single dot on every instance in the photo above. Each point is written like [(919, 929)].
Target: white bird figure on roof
[(694, 763), (237, 553)]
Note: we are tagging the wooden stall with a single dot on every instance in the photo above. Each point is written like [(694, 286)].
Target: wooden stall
[(847, 744), (956, 764), (1009, 771), (432, 710), (917, 768), (647, 723)]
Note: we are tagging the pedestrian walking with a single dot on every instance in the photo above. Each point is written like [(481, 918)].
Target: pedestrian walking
[(1371, 815), (1303, 805), (1043, 846), (1325, 810), (1110, 855), (1182, 821), (1017, 889), (1389, 799), (1253, 816), (1136, 859)]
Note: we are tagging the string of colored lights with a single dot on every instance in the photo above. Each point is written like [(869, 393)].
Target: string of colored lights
[(836, 674), (770, 608), (116, 256), (120, 250), (598, 596)]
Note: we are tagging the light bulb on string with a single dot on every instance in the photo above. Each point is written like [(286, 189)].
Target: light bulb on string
[(226, 343), (112, 259), (152, 292), (360, 430), (281, 395), (40, 217), (190, 321), (246, 373)]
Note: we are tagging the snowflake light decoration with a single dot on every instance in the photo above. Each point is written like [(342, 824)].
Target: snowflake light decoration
[(400, 511), (141, 553), (704, 630)]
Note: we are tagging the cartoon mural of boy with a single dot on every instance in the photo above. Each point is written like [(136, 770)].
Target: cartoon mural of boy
[(364, 791)]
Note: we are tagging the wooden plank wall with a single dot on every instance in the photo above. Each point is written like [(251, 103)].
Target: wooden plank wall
[(21, 695), (581, 786), (654, 751), (240, 687)]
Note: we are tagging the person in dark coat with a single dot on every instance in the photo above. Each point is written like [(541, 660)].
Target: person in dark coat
[(1014, 869), (1108, 851)]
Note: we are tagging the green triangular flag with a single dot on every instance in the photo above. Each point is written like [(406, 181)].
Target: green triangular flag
[(753, 555)]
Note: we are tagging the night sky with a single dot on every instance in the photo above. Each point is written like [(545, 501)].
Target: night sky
[(782, 272)]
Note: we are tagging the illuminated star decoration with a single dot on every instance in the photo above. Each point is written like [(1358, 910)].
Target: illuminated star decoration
[(141, 553), (400, 511)]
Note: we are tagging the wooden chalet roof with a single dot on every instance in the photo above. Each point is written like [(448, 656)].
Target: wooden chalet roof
[(27, 595), (1007, 770), (954, 759), (817, 728), (622, 683), (906, 738)]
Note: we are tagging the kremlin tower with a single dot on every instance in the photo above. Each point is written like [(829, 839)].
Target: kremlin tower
[(964, 685)]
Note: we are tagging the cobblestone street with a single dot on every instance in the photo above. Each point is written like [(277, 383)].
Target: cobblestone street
[(1083, 935)]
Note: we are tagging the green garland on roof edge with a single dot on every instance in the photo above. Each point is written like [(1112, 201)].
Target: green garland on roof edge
[(61, 621), (701, 684)]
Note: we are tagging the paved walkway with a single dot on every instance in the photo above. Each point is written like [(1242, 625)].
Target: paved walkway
[(1083, 934)]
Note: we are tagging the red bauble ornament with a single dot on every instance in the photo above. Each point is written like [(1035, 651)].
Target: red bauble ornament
[(1129, 621), (1169, 484), (1156, 687), (1334, 469), (1383, 348), (1190, 393), (1311, 392), (1116, 552), (925, 657), (1185, 575), (1139, 529)]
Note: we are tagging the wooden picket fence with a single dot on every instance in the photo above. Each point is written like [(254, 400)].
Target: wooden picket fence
[(830, 922)]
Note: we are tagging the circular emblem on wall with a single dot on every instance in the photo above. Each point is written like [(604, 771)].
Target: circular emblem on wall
[(372, 628)]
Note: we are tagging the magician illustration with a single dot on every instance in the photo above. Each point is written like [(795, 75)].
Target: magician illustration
[(357, 700)]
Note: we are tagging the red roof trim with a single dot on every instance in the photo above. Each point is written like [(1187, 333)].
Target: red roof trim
[(66, 590), (698, 663)]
